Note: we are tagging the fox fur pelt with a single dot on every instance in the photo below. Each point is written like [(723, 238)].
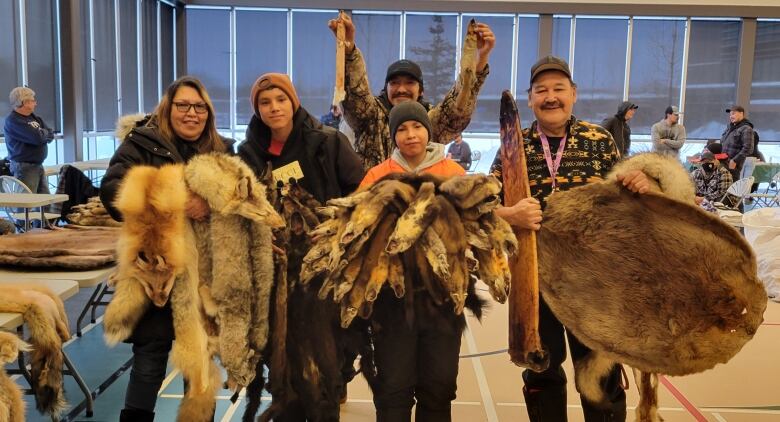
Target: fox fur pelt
[(648, 280), (158, 261), (218, 274), (44, 315), (11, 403)]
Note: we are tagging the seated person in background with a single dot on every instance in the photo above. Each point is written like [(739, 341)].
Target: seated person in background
[(711, 179), (460, 152)]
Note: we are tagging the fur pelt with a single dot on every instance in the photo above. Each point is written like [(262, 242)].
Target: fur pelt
[(61, 248), (44, 315), (158, 262), (126, 123), (236, 262), (11, 403), (219, 273), (647, 280)]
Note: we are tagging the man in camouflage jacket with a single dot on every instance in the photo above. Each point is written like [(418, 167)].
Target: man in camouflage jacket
[(368, 114)]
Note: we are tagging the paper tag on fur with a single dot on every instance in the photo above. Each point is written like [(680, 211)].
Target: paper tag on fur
[(284, 173)]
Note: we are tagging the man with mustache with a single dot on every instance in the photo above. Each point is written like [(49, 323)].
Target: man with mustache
[(368, 115), (562, 152)]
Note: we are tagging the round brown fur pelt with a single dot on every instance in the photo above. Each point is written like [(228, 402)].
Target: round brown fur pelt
[(647, 280)]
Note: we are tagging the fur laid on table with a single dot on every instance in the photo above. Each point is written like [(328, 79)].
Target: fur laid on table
[(44, 315), (91, 213), (219, 299), (11, 403), (60, 248), (649, 280)]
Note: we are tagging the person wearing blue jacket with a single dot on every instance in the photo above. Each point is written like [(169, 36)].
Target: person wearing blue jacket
[(27, 138)]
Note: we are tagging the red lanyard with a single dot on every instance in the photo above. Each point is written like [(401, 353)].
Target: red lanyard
[(553, 166)]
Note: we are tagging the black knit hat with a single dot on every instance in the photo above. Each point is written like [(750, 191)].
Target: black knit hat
[(405, 67), (408, 110)]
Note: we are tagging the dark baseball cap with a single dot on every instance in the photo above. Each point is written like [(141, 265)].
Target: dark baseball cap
[(735, 107), (404, 67), (672, 110), (549, 63)]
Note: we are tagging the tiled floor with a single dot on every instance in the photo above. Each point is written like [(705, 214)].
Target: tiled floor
[(747, 389)]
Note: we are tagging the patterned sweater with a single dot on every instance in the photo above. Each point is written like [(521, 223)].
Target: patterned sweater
[(368, 115), (590, 153)]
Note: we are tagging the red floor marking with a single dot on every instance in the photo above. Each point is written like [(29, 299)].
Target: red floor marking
[(681, 398)]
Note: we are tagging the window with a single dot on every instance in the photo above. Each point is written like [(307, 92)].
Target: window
[(167, 64), (430, 42), (599, 66), (11, 76), (104, 60), (208, 56), (765, 90), (561, 34), (252, 26), (712, 75), (379, 39), (128, 49), (151, 74), (656, 69), (527, 55), (42, 63), (485, 117), (314, 60)]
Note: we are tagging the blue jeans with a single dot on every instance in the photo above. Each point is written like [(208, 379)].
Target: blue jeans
[(32, 175), (147, 375)]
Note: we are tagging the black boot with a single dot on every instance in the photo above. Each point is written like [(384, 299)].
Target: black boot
[(135, 415), (546, 405)]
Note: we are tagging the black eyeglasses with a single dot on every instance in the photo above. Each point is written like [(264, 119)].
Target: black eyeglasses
[(185, 108)]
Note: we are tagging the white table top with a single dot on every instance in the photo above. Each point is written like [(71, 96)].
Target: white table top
[(30, 200), (84, 279), (99, 164), (63, 288)]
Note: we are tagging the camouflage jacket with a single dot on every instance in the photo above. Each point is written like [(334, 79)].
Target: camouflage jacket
[(590, 153), (368, 116)]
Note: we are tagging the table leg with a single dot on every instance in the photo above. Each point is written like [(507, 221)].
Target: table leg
[(26, 220), (87, 306), (80, 381)]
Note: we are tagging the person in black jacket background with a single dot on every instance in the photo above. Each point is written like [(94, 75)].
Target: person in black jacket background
[(182, 126), (618, 126)]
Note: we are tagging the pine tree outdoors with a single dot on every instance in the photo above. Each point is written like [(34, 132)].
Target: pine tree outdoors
[(437, 62)]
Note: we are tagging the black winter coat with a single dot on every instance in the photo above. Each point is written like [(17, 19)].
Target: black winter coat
[(619, 128), (331, 167)]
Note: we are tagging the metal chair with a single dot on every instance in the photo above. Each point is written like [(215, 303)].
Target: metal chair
[(771, 196), (475, 157), (9, 184), (739, 190)]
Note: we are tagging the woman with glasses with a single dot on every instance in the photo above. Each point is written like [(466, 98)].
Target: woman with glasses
[(182, 126)]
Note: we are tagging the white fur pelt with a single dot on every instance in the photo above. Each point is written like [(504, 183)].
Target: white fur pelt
[(11, 403), (158, 262), (236, 262), (44, 315), (650, 280)]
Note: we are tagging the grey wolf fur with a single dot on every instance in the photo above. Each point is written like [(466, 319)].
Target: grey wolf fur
[(11, 403), (44, 314), (647, 280), (237, 276)]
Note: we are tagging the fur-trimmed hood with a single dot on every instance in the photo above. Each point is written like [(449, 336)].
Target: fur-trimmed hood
[(126, 123)]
